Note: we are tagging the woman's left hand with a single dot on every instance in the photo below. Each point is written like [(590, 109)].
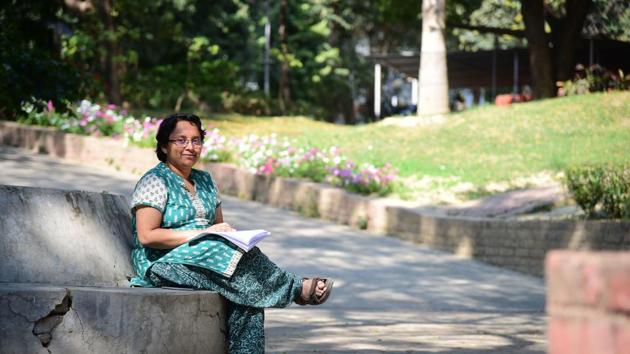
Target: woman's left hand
[(220, 227)]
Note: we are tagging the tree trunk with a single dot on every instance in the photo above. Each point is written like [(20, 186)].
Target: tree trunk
[(284, 92), (112, 68), (540, 63), (433, 80), (566, 33)]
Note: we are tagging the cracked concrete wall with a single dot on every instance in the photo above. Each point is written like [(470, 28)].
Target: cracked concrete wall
[(49, 319), (64, 237), (64, 289)]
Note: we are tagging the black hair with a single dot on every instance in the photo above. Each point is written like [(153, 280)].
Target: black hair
[(168, 125)]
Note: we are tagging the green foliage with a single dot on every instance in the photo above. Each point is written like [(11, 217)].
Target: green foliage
[(603, 186), (46, 117), (594, 79), (616, 196), (32, 76), (249, 103), (167, 83), (30, 71), (609, 18), (208, 55), (315, 170), (585, 186), (490, 13)]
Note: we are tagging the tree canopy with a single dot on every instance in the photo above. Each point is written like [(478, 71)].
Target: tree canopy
[(209, 55)]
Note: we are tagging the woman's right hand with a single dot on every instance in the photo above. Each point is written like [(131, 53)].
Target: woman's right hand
[(220, 227)]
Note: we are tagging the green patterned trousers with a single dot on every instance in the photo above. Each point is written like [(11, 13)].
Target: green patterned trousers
[(257, 283)]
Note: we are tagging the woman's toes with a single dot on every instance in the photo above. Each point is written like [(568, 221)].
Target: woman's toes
[(321, 288)]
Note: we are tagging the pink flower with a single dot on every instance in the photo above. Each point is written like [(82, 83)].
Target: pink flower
[(267, 168), (50, 107)]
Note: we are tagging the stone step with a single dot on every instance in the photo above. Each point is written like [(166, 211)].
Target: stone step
[(38, 318)]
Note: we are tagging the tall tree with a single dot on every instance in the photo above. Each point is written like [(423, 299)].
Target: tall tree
[(433, 81), (538, 45), (112, 65), (284, 91), (553, 29), (557, 51)]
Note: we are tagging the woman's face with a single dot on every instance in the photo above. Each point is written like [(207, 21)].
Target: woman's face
[(183, 157)]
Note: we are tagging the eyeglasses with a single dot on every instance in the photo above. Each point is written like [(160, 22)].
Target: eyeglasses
[(183, 142)]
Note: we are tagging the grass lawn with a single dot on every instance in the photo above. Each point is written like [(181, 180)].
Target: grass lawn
[(477, 147)]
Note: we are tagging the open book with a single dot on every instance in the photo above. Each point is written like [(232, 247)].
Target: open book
[(244, 239)]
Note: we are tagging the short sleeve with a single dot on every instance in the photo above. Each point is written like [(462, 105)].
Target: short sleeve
[(150, 191)]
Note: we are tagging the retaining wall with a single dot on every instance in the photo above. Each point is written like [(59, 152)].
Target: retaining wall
[(516, 245)]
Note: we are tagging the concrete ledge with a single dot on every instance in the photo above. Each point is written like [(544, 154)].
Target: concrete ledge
[(51, 319), (77, 241), (588, 302), (64, 237), (516, 245)]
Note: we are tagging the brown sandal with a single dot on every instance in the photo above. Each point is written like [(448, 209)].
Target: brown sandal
[(313, 299)]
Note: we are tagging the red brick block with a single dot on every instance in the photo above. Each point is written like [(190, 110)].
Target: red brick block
[(622, 340), (563, 335), (618, 285), (594, 279), (587, 335), (588, 302)]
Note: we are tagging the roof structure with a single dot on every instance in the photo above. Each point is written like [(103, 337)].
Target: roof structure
[(467, 69), (475, 69)]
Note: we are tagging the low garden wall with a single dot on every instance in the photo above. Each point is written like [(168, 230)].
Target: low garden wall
[(516, 245)]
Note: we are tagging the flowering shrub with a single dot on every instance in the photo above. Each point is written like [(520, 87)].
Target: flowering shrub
[(88, 118), (46, 117), (215, 147), (364, 179), (143, 132), (266, 155)]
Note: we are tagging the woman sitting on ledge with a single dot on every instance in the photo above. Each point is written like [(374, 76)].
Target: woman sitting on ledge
[(173, 203)]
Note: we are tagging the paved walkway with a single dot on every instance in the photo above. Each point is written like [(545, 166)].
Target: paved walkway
[(390, 296)]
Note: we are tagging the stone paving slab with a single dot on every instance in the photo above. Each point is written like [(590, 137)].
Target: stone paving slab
[(390, 295)]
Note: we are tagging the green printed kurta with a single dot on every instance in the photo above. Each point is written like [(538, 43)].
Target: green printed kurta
[(164, 190), (250, 282)]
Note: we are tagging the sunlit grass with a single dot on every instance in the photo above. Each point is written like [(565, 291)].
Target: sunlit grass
[(479, 146)]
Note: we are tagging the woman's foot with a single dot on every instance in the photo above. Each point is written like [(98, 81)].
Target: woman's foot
[(315, 291)]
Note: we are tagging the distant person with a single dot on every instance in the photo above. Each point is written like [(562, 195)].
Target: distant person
[(460, 102), (172, 203)]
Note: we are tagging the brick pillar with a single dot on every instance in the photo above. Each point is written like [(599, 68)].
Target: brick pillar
[(588, 302)]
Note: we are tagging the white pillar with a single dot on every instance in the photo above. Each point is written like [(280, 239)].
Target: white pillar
[(414, 91), (377, 90)]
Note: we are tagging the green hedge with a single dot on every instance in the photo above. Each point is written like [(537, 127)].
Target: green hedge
[(601, 191)]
